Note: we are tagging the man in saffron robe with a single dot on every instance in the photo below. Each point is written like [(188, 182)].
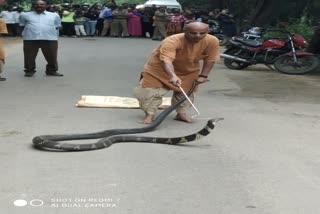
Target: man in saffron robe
[(176, 62), (3, 30)]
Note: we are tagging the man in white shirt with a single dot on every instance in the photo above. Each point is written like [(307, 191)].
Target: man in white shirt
[(8, 17), (19, 28), (40, 32)]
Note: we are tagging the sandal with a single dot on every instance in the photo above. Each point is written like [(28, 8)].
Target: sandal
[(2, 79)]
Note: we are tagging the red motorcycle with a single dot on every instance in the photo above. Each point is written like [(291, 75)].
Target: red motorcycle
[(286, 55)]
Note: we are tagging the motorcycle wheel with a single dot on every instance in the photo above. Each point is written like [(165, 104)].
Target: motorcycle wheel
[(233, 64), (285, 64)]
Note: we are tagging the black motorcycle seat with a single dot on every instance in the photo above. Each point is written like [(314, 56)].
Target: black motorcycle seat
[(248, 42)]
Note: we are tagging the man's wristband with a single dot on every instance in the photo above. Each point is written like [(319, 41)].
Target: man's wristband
[(203, 76)]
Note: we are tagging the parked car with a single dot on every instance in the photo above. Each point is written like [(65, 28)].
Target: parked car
[(167, 3)]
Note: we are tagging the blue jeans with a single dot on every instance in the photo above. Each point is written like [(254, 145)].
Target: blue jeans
[(90, 27)]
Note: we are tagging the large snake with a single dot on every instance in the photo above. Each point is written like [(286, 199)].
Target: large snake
[(111, 136)]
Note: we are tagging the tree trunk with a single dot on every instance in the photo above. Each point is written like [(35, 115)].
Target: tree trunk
[(220, 4), (265, 10), (314, 44)]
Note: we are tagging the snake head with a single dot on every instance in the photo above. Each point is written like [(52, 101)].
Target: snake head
[(214, 121)]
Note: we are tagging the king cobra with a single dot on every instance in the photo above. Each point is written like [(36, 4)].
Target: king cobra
[(112, 136)]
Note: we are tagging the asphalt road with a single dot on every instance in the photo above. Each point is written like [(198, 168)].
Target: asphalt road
[(263, 158)]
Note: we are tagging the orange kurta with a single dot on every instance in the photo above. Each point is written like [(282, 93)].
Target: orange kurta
[(186, 57), (3, 30)]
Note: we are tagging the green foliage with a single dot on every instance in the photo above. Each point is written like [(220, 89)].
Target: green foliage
[(131, 1), (302, 28), (200, 4), (91, 2), (26, 3)]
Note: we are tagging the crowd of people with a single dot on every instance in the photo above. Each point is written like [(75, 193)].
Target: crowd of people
[(107, 20), (173, 65), (124, 20)]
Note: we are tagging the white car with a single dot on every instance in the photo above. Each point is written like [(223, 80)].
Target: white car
[(167, 3)]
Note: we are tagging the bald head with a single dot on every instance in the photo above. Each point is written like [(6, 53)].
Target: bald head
[(196, 26), (195, 31)]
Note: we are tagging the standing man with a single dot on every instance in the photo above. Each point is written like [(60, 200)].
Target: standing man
[(106, 14), (227, 23), (147, 20), (3, 30), (19, 28), (40, 32), (176, 62), (161, 19), (67, 22), (119, 27), (8, 17)]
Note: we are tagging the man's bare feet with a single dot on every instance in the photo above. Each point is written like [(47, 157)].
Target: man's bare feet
[(147, 119), (183, 117)]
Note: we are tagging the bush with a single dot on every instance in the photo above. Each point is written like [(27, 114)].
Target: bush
[(301, 27)]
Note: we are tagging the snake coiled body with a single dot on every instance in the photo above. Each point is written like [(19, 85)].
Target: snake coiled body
[(109, 137)]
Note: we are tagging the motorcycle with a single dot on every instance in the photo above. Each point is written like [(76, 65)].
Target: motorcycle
[(286, 55)]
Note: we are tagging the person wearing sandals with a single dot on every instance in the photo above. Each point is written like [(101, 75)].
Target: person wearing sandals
[(176, 62)]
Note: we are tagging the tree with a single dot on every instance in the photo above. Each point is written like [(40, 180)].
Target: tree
[(264, 12)]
